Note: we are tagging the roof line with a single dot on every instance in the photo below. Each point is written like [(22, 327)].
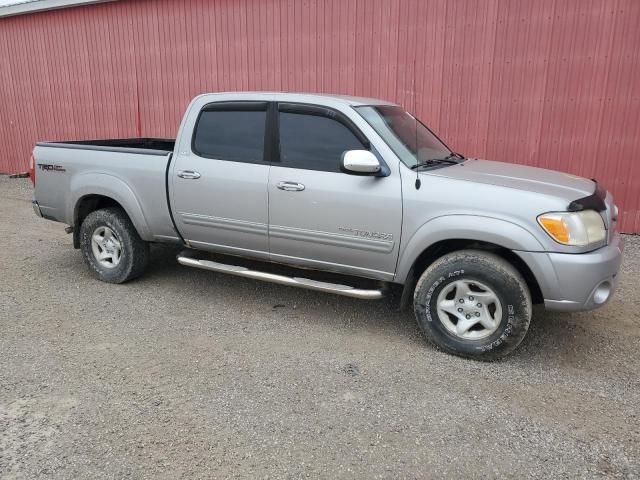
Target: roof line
[(34, 6), (347, 99)]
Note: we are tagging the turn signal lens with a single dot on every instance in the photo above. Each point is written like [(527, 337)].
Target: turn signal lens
[(584, 228), (555, 227)]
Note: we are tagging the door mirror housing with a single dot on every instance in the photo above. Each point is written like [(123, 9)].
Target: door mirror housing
[(360, 162)]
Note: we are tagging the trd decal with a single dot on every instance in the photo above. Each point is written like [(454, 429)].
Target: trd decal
[(51, 168)]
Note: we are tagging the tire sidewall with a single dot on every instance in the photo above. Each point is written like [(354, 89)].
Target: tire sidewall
[(510, 290), (107, 218)]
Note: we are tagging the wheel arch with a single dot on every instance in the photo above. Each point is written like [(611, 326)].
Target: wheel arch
[(90, 194), (443, 247)]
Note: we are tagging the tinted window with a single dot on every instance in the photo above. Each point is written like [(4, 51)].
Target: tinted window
[(230, 135), (314, 142)]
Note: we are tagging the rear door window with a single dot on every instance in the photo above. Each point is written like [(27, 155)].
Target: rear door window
[(236, 135)]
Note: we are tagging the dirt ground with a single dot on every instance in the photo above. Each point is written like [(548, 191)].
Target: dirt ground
[(191, 374)]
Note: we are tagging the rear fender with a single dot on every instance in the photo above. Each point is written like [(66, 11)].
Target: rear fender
[(112, 187)]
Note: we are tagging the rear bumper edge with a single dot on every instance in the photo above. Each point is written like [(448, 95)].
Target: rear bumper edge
[(36, 208)]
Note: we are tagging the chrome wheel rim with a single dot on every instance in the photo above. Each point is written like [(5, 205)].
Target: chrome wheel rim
[(106, 247), (469, 309)]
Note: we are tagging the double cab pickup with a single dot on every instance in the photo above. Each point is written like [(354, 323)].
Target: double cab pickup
[(352, 196)]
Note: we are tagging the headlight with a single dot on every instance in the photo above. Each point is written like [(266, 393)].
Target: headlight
[(574, 228)]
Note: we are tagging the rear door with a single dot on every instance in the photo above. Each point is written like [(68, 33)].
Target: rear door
[(320, 216), (219, 194)]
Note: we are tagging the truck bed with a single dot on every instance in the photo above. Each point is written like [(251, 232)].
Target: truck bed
[(130, 171), (148, 146)]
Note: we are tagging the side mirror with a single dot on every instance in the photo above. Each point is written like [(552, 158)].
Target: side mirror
[(360, 162)]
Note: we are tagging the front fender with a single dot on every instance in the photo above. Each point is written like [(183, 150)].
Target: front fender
[(112, 187), (463, 227)]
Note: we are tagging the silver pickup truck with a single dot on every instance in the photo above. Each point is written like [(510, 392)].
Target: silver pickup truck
[(347, 195)]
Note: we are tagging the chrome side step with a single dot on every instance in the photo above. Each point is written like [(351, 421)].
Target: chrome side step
[(281, 279)]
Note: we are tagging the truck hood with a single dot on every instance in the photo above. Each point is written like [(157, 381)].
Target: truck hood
[(521, 177)]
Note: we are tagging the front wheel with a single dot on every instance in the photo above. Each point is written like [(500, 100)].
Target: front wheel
[(111, 246), (473, 304)]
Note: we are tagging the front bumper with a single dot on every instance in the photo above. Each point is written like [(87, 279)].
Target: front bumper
[(580, 281)]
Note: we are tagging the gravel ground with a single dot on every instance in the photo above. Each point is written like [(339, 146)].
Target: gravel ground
[(186, 373)]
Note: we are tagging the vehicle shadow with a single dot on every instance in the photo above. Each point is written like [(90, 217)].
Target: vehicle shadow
[(382, 316), (553, 339)]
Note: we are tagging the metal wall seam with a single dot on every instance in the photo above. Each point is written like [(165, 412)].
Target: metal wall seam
[(548, 83)]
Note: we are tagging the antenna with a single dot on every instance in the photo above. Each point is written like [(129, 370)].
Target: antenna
[(415, 119)]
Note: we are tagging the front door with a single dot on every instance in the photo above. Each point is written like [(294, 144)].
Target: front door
[(324, 218), (220, 199)]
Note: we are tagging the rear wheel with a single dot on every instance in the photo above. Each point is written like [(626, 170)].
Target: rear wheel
[(111, 246), (473, 304)]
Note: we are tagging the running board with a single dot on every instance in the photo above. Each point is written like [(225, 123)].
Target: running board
[(281, 279)]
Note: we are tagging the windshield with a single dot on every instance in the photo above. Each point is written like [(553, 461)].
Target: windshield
[(406, 136)]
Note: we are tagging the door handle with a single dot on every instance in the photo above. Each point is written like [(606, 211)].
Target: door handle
[(189, 174), (290, 186)]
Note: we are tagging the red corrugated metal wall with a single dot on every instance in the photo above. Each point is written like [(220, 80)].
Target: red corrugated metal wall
[(553, 83)]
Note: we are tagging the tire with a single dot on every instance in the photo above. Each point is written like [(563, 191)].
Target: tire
[(470, 286), (125, 254)]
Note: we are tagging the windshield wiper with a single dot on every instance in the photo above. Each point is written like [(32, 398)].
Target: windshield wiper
[(435, 161)]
